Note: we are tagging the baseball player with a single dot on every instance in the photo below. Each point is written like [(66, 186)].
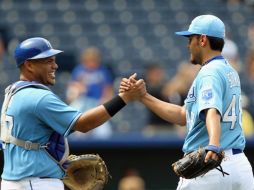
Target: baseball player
[(33, 119), (212, 110)]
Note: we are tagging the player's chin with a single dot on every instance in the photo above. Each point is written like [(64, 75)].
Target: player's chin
[(51, 81), (194, 61)]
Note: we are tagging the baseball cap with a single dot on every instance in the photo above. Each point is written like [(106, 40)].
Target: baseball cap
[(209, 25), (34, 48)]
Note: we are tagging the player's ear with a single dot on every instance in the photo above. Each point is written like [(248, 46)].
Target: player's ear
[(203, 40), (28, 65)]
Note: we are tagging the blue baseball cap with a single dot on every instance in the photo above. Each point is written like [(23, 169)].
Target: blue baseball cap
[(209, 25), (34, 48)]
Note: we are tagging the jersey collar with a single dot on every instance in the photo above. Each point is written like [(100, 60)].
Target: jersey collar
[(213, 58)]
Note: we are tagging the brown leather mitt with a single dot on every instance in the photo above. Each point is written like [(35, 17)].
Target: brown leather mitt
[(86, 172), (193, 164)]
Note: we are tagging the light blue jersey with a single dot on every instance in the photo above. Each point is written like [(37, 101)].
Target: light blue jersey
[(35, 114), (217, 85)]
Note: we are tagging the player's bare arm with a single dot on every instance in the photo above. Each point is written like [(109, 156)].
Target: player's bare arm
[(213, 126), (169, 112)]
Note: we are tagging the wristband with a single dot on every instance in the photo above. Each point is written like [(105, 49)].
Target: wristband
[(213, 148), (114, 105)]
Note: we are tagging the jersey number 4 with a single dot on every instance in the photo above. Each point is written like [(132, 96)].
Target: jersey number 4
[(231, 113)]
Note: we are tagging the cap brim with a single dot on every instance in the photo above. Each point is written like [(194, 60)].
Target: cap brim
[(184, 33), (48, 53)]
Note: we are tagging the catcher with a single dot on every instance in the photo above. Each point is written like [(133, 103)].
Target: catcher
[(212, 115), (35, 124)]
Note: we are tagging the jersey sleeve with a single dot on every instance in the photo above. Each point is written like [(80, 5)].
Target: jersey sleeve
[(56, 114), (210, 89)]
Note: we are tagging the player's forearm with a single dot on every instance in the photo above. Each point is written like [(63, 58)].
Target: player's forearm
[(169, 112), (213, 126), (92, 119), (100, 114)]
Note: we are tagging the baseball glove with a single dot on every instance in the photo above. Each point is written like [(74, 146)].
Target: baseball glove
[(86, 172), (193, 164)]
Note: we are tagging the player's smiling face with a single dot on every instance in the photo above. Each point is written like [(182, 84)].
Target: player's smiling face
[(194, 48), (44, 70)]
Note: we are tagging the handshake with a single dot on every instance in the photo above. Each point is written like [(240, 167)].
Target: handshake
[(132, 89)]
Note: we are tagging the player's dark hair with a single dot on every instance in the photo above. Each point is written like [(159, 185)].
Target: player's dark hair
[(216, 43)]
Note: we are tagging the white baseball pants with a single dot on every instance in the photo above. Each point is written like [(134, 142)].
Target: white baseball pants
[(33, 183), (240, 176)]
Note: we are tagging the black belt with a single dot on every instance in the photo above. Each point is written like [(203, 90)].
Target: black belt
[(236, 151)]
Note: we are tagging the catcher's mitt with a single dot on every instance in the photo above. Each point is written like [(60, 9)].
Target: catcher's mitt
[(86, 172), (193, 165)]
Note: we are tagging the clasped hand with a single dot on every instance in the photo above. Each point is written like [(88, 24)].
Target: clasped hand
[(132, 88)]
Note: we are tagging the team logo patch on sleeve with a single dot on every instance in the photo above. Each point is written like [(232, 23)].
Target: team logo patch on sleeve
[(207, 94)]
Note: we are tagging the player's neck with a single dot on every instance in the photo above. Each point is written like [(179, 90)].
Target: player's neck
[(209, 56), (25, 78)]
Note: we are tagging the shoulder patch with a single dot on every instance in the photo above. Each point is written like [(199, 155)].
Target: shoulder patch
[(207, 94)]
